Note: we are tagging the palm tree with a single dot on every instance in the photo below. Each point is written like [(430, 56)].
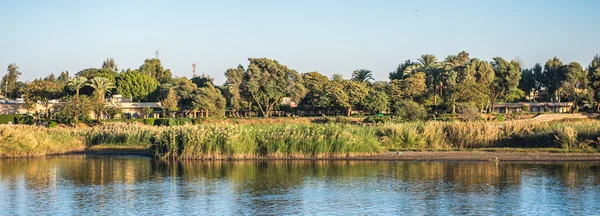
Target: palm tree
[(77, 83), (362, 75), (101, 85), (337, 77), (427, 60)]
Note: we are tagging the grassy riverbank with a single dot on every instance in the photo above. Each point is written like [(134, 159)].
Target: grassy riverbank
[(32, 141), (331, 140)]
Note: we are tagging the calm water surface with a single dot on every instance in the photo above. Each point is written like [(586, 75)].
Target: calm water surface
[(107, 185)]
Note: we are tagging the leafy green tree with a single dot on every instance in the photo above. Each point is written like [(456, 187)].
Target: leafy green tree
[(337, 95), (184, 90), (51, 78), (356, 92), (19, 89), (576, 84), (171, 101), (403, 70), (75, 108), (137, 85), (527, 83), (376, 101), (147, 111), (43, 91), (101, 86), (235, 76), (362, 75), (407, 89), (91, 73), (473, 95), (554, 75), (154, 68), (316, 92), (10, 79), (203, 81), (594, 78), (408, 110), (209, 99), (110, 64), (64, 77), (507, 76), (538, 76), (267, 82)]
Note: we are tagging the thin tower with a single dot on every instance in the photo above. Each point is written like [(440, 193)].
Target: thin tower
[(194, 69), (156, 53)]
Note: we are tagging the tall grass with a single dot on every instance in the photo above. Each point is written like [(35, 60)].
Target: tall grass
[(120, 134), (271, 141), (438, 135), (330, 140), (32, 141)]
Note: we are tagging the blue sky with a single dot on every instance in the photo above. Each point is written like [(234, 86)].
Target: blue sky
[(310, 35)]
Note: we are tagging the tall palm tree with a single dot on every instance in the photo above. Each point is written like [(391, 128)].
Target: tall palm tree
[(101, 85), (362, 75), (77, 83), (427, 60)]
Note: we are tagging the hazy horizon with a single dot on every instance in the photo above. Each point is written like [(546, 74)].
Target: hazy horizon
[(325, 36)]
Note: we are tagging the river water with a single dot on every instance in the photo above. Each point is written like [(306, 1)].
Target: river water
[(128, 185)]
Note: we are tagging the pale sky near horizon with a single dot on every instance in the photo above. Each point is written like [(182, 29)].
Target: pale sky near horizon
[(328, 36)]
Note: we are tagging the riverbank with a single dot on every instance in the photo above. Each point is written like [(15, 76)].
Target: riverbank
[(484, 154), (300, 141)]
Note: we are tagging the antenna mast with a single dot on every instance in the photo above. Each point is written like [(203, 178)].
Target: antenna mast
[(194, 69), (156, 53)]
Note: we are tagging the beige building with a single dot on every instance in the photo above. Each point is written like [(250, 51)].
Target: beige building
[(130, 109), (553, 107)]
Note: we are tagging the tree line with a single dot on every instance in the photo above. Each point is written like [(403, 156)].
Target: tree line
[(416, 89)]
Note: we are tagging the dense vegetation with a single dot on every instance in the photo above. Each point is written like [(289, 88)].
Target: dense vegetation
[(415, 90), (31, 141)]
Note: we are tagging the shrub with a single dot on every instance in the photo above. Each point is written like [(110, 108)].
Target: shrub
[(5, 119), (164, 122), (409, 110), (52, 124), (376, 119), (499, 117), (526, 108), (470, 114), (149, 121), (182, 121)]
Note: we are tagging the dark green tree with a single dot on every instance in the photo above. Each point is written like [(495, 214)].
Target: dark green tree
[(137, 85), (507, 76), (154, 68), (10, 79)]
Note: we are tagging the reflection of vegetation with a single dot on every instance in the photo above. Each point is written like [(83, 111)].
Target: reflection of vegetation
[(279, 177)]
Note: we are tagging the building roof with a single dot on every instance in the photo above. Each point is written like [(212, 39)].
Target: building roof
[(132, 105)]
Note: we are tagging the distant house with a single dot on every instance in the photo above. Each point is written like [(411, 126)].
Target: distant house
[(554, 107), (130, 109), (134, 109), (288, 101)]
